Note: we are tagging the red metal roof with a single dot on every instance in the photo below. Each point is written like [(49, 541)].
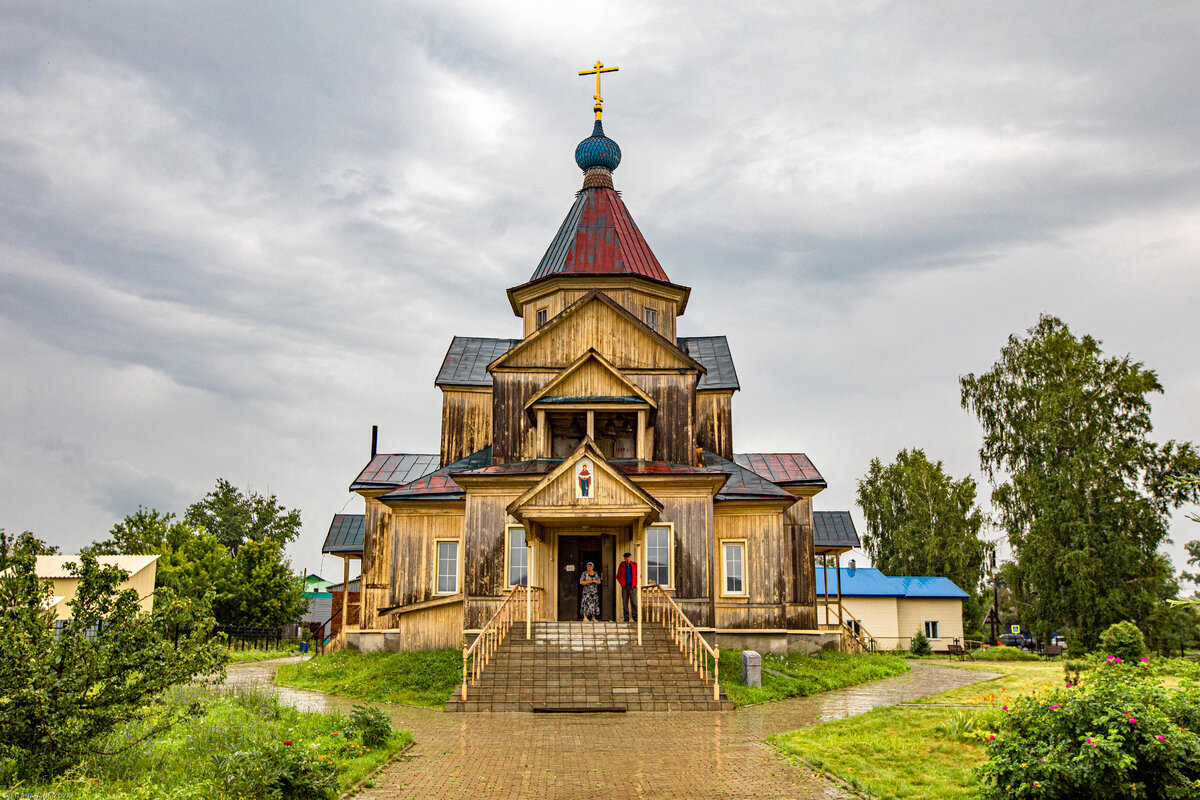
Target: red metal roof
[(599, 237), (781, 468)]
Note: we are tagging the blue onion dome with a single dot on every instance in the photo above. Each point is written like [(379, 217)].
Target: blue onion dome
[(598, 151)]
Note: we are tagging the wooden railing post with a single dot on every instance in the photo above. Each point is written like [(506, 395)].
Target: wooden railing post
[(464, 683), (528, 613), (716, 672)]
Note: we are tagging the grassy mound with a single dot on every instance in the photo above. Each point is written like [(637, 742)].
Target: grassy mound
[(796, 675), (415, 678)]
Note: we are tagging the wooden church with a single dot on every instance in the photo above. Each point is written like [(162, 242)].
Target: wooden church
[(598, 431)]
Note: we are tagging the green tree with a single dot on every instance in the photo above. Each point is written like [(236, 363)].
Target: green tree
[(63, 693), (1082, 492), (240, 560), (236, 518), (39, 546), (920, 521)]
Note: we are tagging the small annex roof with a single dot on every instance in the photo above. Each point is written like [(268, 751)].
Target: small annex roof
[(467, 359), (713, 353), (438, 485), (394, 469), (743, 484), (834, 529), (51, 567), (784, 469), (346, 534), (870, 582), (599, 237)]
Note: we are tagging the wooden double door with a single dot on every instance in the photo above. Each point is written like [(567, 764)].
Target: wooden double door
[(574, 553)]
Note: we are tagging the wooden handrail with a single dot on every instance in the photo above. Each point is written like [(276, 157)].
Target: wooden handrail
[(664, 609), (868, 642), (492, 635)]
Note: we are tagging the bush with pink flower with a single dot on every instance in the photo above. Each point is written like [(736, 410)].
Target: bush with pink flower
[(1118, 734)]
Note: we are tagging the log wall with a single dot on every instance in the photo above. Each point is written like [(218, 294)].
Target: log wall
[(714, 422)]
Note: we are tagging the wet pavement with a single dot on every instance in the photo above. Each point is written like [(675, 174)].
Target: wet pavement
[(694, 754)]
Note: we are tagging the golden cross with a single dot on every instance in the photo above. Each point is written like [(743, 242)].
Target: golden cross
[(597, 69)]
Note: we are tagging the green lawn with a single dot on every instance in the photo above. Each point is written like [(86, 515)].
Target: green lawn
[(803, 675), (229, 746), (239, 656), (416, 678), (897, 753)]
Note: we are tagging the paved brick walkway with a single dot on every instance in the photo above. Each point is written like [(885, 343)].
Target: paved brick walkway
[(697, 754)]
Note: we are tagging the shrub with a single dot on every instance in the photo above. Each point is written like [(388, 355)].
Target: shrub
[(62, 693), (919, 646), (1004, 654), (1123, 639), (1119, 734), (372, 725)]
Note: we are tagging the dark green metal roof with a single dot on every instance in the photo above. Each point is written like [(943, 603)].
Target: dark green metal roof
[(346, 534)]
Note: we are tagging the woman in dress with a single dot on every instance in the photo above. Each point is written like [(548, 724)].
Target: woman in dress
[(589, 604)]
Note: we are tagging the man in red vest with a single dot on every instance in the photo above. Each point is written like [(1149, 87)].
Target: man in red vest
[(627, 577)]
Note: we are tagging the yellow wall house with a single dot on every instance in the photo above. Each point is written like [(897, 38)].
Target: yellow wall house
[(590, 430), (892, 609), (141, 571)]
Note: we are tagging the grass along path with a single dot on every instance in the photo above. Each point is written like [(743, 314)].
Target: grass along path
[(796, 675), (415, 678), (896, 753)]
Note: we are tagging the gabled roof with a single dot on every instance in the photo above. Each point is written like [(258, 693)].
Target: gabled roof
[(51, 567), (599, 237), (784, 469), (394, 469), (870, 582), (467, 359), (743, 484), (713, 353), (438, 485), (612, 379), (346, 534), (570, 316), (834, 529)]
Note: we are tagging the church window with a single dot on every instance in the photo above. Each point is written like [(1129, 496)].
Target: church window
[(735, 567), (447, 567), (542, 315), (932, 629), (518, 556), (658, 555), (650, 315), (566, 432)]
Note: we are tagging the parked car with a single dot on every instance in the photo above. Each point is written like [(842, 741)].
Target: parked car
[(1021, 640)]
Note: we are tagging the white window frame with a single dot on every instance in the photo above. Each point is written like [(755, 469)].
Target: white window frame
[(508, 532), (669, 527), (650, 317), (741, 543), (437, 566), (936, 629)]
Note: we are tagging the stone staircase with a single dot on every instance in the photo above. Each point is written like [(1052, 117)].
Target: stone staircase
[(588, 666)]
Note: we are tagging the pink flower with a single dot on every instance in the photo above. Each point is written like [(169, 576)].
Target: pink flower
[(1145, 660), (1132, 721), (1161, 738), (1055, 708), (1091, 741)]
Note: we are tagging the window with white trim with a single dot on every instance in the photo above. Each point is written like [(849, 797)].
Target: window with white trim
[(658, 556), (447, 567), (734, 559), (518, 556), (542, 315), (932, 629), (650, 316)]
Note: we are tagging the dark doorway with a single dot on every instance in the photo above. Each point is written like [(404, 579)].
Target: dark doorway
[(574, 553)]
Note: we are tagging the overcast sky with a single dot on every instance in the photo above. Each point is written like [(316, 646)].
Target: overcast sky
[(234, 236)]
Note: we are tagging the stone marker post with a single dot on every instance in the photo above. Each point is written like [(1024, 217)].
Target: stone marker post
[(751, 668)]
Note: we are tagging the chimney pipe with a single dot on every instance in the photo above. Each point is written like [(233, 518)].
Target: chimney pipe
[(374, 440)]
